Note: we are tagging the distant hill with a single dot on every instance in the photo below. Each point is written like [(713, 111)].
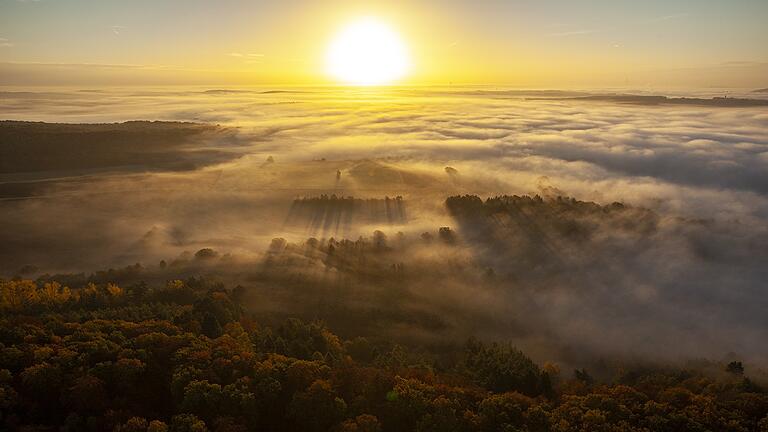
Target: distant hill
[(763, 90), (34, 155), (664, 100), (38, 146)]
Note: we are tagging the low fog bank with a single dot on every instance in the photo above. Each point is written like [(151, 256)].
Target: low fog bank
[(335, 205)]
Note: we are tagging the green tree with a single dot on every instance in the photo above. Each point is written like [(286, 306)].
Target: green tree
[(502, 368), (505, 411), (361, 423), (203, 399), (187, 423), (317, 408), (134, 424)]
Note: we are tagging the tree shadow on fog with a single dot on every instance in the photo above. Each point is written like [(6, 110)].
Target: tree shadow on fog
[(360, 286), (333, 216)]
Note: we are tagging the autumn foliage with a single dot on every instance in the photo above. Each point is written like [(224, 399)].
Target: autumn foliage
[(186, 357)]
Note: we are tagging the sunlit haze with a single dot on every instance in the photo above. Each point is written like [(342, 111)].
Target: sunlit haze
[(384, 216)]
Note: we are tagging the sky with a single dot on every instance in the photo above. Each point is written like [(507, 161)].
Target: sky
[(555, 43)]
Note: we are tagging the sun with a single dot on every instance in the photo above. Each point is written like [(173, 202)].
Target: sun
[(367, 52)]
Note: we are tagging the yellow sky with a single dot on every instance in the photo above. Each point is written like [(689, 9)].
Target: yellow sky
[(555, 43)]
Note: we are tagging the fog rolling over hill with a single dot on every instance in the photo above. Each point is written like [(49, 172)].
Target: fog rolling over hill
[(239, 256), (665, 247)]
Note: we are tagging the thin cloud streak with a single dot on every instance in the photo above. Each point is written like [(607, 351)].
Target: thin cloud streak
[(574, 33)]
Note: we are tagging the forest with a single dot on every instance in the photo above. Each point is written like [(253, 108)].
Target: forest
[(186, 355)]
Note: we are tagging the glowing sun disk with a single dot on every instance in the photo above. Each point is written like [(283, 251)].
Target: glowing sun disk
[(367, 52)]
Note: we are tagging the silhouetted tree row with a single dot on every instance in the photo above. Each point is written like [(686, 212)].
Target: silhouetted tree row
[(563, 217)]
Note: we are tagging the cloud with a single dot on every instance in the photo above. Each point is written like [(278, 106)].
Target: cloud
[(240, 55), (691, 284), (249, 58), (744, 63), (669, 17), (574, 33), (5, 43)]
